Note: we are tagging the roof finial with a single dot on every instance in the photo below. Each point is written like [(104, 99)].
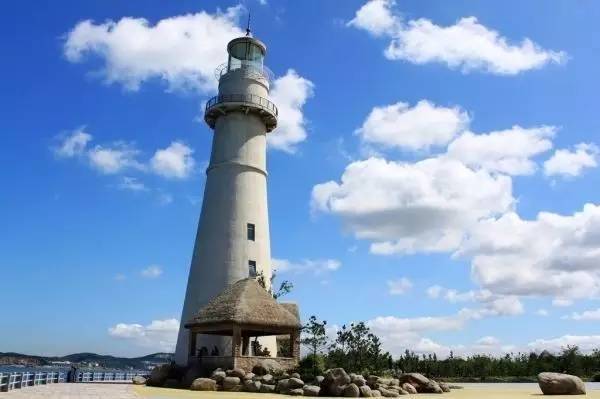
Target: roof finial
[(248, 26)]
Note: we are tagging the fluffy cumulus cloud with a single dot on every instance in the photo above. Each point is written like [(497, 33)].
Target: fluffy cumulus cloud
[(289, 92), (399, 287), (551, 255), (467, 45), (588, 315), (315, 266), (182, 51), (413, 128), (409, 207), (175, 161), (506, 151), (586, 343), (567, 163), (159, 335)]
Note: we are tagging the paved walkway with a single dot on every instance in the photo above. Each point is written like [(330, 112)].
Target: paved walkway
[(74, 391)]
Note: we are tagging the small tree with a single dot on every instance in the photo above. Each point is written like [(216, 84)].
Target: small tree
[(314, 337), (284, 288)]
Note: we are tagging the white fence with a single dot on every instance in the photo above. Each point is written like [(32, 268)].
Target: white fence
[(10, 381)]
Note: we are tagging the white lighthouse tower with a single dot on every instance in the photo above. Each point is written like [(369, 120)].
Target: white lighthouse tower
[(232, 242)]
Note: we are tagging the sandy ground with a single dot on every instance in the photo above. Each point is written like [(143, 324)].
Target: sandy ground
[(482, 391)]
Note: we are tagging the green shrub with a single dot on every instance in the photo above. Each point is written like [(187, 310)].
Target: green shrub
[(311, 366), (596, 377)]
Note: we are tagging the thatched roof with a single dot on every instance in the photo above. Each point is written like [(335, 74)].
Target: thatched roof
[(245, 302)]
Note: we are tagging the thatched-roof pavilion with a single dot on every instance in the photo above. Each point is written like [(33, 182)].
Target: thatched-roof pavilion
[(244, 310)]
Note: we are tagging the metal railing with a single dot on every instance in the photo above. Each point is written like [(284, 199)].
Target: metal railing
[(11, 381), (242, 98), (249, 69)]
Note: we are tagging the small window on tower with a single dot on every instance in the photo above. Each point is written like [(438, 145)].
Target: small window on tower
[(252, 268), (251, 231)]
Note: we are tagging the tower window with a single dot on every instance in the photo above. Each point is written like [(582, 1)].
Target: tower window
[(252, 268), (251, 231)]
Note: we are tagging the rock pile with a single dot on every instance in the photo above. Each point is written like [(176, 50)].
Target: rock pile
[(334, 382)]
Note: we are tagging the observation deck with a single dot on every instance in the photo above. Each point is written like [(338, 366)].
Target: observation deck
[(223, 103)]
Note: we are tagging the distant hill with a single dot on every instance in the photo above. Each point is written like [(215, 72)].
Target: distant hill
[(88, 360)]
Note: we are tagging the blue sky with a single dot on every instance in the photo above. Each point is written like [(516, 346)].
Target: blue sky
[(418, 142)]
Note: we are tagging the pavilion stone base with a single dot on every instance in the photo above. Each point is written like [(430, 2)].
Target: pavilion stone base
[(207, 364)]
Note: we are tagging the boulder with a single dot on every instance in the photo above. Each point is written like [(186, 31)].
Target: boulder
[(388, 393), (296, 392), (375, 393), (319, 379), (421, 383), (171, 383), (159, 375), (267, 388), (218, 376), (267, 366), (334, 382), (560, 384), (365, 391), (236, 372), (432, 387), (283, 386), (311, 390), (252, 386), (230, 382), (351, 391), (204, 384), (249, 376), (296, 375), (409, 388), (445, 387), (359, 380), (267, 379), (295, 382), (139, 380)]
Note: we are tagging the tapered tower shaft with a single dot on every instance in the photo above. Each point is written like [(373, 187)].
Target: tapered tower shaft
[(232, 240)]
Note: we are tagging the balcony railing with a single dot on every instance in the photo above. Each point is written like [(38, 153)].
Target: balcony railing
[(242, 98)]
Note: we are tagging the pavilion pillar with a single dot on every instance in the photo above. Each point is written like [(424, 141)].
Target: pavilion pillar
[(246, 346), (192, 348), (236, 341), (295, 344)]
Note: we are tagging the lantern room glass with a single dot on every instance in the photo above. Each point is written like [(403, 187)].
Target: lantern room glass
[(245, 54)]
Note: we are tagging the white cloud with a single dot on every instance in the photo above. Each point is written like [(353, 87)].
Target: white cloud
[(588, 315), (153, 271), (175, 161), (568, 163), (488, 341), (409, 207), (505, 151), (399, 287), (160, 335), (376, 18), (315, 266), (417, 128), (562, 302), (74, 144), (182, 51), (467, 44), (552, 255), (289, 93), (434, 291), (586, 343), (131, 184), (542, 312), (114, 159)]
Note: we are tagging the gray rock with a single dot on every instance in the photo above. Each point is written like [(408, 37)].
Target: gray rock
[(249, 376), (296, 392), (267, 379), (296, 375), (295, 382), (219, 376), (359, 380), (204, 384), (334, 382), (432, 387), (252, 386), (395, 382), (319, 379), (267, 388), (421, 383), (159, 375), (445, 387), (230, 382), (267, 366), (351, 391), (388, 393), (311, 390), (236, 372), (560, 384), (283, 386), (365, 391), (409, 388), (375, 393), (139, 380)]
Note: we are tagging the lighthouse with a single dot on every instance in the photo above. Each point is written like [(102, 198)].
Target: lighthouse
[(232, 240)]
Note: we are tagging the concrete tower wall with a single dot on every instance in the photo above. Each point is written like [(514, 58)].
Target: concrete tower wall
[(235, 194)]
